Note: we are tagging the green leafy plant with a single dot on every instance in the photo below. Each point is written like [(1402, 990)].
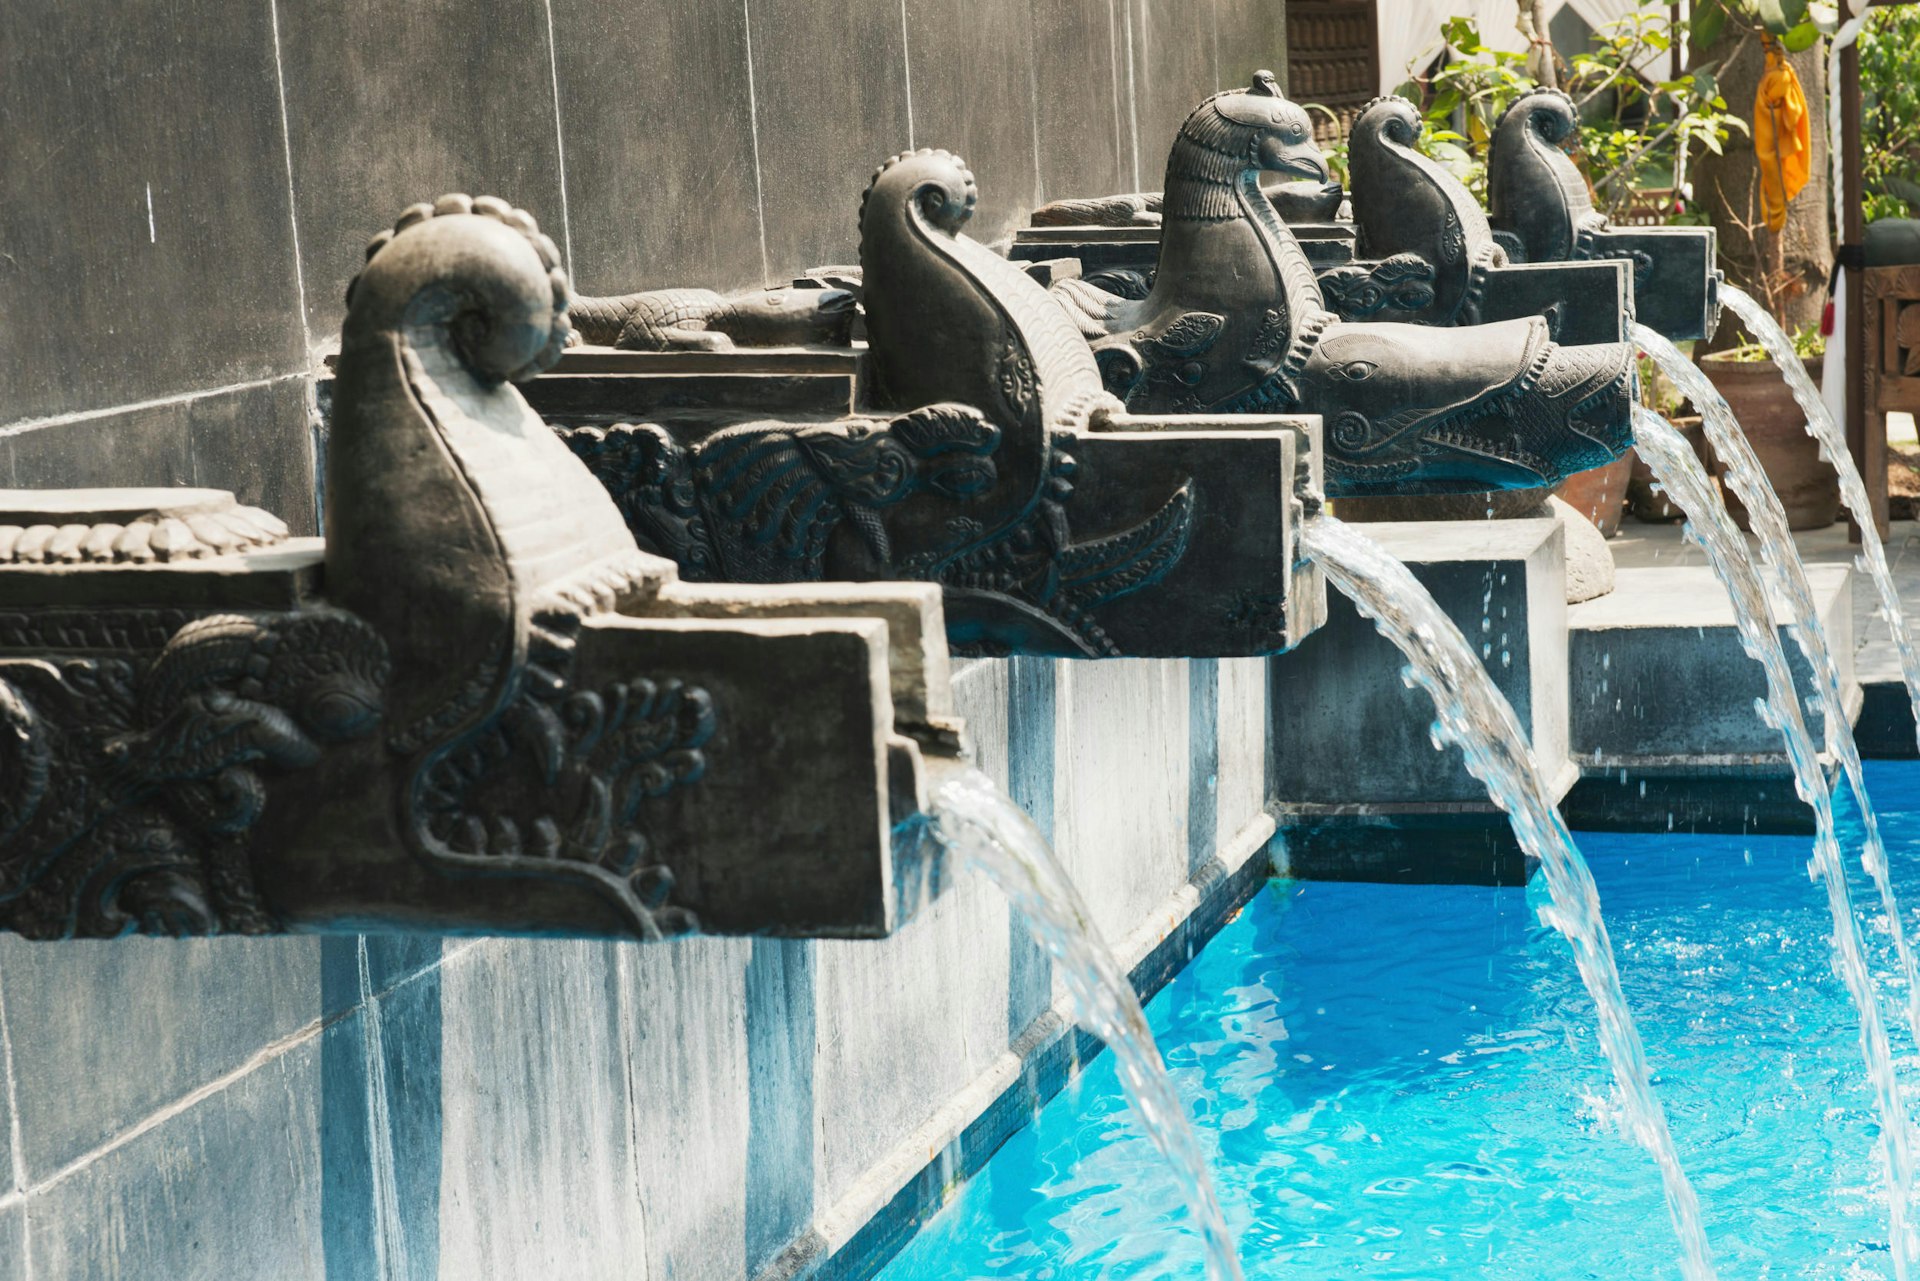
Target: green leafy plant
[(1807, 344), (1788, 21), (1890, 87), (1634, 130)]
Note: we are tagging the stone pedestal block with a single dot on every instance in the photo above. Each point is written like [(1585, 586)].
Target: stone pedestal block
[(1664, 727), (1360, 791)]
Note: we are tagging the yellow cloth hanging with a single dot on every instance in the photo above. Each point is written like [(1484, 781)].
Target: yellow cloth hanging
[(1782, 137)]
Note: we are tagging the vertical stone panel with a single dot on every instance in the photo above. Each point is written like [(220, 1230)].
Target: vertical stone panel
[(1121, 821), (147, 244), (927, 1006), (904, 1023), (1243, 742), (104, 1034), (1252, 37), (974, 86), (537, 1148), (1032, 715), (780, 1026), (253, 441), (684, 1019), (831, 83), (391, 104), (658, 132), (1174, 70), (229, 1187), (1204, 829), (1081, 123)]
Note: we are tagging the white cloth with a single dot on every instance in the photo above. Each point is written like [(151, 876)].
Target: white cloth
[(1410, 30)]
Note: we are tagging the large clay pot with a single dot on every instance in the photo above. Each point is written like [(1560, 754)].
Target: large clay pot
[(1808, 487), (1501, 504), (1600, 493)]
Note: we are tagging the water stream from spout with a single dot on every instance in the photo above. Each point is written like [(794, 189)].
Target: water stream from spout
[(1853, 491), (1783, 570), (1473, 714), (1667, 453), (984, 829)]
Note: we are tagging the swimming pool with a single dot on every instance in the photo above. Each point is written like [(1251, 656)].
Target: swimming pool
[(1403, 1082)]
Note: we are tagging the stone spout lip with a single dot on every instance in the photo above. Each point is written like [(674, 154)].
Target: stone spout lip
[(787, 745)]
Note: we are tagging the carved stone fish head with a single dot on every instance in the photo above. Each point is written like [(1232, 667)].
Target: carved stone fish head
[(1413, 409)]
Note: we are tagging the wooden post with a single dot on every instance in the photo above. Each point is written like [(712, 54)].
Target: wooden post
[(1675, 49), (1870, 456)]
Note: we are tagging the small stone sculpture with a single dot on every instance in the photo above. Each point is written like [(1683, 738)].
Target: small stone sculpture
[(702, 320)]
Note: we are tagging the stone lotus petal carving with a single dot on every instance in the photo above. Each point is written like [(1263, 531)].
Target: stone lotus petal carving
[(1235, 321), (983, 419), (499, 716), (1539, 203), (149, 526)]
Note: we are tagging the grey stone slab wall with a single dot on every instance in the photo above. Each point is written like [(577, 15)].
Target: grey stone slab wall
[(186, 189), (711, 1110)]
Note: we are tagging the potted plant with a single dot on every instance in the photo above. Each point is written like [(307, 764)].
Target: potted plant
[(1808, 486)]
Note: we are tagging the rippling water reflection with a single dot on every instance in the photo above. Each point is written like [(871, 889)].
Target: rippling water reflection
[(1399, 1082)]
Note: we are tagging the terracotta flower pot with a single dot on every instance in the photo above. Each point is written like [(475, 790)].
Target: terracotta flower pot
[(1648, 502), (1808, 487), (1600, 493)]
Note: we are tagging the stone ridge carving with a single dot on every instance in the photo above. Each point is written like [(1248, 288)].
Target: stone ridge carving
[(174, 525), (127, 788), (1235, 322), (512, 771), (1540, 206), (702, 320), (1406, 204), (1534, 191)]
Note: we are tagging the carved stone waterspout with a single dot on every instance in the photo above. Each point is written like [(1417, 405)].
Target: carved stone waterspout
[(1236, 322), (478, 707)]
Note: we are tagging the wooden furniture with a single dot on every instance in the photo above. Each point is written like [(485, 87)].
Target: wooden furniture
[(1333, 60), (1892, 358)]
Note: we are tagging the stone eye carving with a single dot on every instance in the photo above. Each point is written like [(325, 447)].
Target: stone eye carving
[(1354, 371)]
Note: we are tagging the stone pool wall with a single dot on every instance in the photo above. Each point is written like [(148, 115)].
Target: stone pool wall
[(186, 189), (703, 1110)]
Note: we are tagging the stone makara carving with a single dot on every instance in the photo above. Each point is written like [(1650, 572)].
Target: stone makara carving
[(702, 320), (497, 715), (1236, 322), (986, 458)]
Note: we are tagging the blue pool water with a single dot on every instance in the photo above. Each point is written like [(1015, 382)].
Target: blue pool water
[(1403, 1082)]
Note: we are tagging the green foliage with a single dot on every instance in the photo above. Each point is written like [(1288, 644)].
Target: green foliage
[(1618, 155), (1787, 20), (1807, 344), (1890, 122)]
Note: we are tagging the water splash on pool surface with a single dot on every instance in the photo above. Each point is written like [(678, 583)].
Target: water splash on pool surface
[(985, 830), (1476, 717)]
